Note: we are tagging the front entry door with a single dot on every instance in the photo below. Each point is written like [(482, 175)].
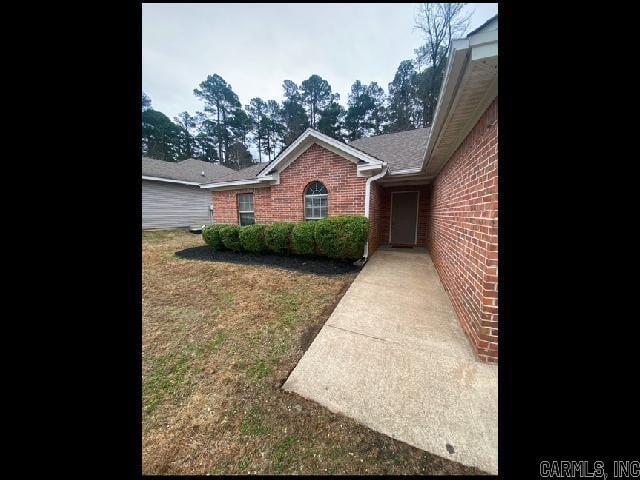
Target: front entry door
[(404, 216)]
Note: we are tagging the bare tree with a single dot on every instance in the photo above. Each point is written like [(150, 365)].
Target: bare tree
[(439, 22)]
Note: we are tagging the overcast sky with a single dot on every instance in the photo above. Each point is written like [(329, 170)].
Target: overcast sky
[(255, 47)]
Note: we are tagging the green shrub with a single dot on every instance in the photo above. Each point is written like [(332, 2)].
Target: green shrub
[(342, 237), (278, 237), (211, 236), (302, 240), (252, 238), (230, 235)]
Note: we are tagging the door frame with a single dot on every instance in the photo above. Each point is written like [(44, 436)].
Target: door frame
[(415, 241)]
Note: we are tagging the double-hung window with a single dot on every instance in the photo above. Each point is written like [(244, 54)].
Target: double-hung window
[(316, 201), (245, 209)]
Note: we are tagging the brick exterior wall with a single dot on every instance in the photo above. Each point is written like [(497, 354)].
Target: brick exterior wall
[(463, 233), (285, 202), (374, 217), (225, 205), (423, 212)]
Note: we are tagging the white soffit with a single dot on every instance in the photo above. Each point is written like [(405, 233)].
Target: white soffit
[(468, 90)]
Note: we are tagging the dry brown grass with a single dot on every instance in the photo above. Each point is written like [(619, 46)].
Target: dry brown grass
[(218, 340)]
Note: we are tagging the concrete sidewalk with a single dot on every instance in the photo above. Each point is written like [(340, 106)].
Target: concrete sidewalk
[(394, 357)]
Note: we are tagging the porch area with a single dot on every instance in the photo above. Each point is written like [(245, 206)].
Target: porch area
[(399, 216), (394, 357)]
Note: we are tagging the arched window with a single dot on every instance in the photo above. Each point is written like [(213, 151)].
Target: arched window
[(316, 201)]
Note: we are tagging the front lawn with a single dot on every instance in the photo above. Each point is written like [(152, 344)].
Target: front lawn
[(218, 340)]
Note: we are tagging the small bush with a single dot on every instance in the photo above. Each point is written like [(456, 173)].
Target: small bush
[(302, 239), (211, 236), (230, 235), (278, 237), (252, 238), (342, 237)]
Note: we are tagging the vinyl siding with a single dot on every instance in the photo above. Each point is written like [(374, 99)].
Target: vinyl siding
[(171, 205)]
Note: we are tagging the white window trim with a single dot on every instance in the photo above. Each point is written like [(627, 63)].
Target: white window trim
[(253, 211), (316, 195)]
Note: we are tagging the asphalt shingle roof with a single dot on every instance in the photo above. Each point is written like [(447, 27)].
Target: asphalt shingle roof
[(189, 170), (244, 173), (400, 150)]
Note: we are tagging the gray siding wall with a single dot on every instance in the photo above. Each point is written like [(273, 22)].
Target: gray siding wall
[(171, 205)]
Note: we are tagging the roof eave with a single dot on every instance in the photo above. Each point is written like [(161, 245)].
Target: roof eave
[(249, 183), (464, 53), (168, 180)]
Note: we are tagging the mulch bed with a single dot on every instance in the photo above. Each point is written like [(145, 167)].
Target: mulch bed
[(316, 265)]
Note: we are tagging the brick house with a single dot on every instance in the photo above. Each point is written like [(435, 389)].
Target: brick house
[(431, 187)]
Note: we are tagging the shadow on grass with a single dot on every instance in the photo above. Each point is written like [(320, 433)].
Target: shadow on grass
[(316, 265)]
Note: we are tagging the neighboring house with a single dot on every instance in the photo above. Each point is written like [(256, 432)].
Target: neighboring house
[(433, 187), (171, 193)]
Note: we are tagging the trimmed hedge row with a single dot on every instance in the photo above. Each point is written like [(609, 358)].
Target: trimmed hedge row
[(342, 237)]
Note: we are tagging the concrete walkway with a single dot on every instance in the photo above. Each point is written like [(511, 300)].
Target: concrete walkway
[(394, 357)]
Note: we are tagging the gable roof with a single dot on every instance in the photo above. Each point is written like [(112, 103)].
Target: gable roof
[(400, 150), (269, 174), (187, 171), (310, 136)]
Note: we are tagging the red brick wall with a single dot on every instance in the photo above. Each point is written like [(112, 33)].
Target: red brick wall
[(225, 205), (374, 217), (463, 233), (423, 211), (285, 202)]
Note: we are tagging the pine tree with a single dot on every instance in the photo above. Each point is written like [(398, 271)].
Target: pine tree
[(316, 96), (187, 124), (332, 119), (366, 113), (402, 98), (256, 110), (293, 116), (160, 136), (222, 103)]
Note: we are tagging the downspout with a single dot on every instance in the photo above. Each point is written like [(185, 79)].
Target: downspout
[(367, 202)]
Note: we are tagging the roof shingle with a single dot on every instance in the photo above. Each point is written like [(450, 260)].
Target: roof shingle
[(400, 150), (244, 173), (189, 170)]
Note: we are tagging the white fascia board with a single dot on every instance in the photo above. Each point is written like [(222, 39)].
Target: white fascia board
[(242, 183), (369, 170), (483, 38), (169, 180), (321, 138), (484, 51), (405, 171)]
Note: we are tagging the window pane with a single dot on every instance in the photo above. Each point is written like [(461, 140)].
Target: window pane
[(316, 201), (246, 219), (245, 201), (316, 188)]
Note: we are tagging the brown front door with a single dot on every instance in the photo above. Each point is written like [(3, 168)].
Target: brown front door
[(404, 216)]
